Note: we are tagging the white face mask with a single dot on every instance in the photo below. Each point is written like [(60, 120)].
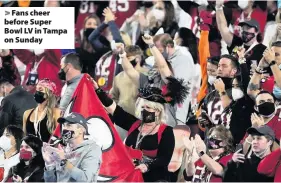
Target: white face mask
[(211, 79), (243, 4), (5, 143), (237, 94), (158, 14)]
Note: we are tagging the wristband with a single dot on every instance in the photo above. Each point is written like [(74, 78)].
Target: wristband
[(219, 8), (151, 45), (272, 63), (200, 154), (258, 71), (105, 100)]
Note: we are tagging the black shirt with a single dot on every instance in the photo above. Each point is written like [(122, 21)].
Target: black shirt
[(255, 54), (159, 167), (245, 172)]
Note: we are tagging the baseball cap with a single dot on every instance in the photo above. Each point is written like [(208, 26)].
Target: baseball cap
[(75, 118), (262, 130), (251, 23)]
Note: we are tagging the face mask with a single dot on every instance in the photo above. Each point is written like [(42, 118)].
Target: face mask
[(5, 143), (147, 4), (246, 36), (261, 154), (266, 109), (134, 62), (25, 155), (62, 75), (277, 92), (227, 82), (243, 4), (88, 31), (158, 14), (237, 94), (211, 79), (148, 117), (214, 144), (67, 135), (39, 97)]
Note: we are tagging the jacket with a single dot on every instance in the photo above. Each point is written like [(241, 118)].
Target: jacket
[(13, 106), (86, 159)]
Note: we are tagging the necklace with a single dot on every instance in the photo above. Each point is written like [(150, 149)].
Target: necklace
[(139, 138), (38, 120)]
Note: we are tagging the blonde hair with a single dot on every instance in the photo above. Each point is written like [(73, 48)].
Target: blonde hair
[(126, 38), (154, 105), (51, 104)]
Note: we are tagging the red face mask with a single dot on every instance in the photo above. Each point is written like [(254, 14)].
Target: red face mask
[(25, 155)]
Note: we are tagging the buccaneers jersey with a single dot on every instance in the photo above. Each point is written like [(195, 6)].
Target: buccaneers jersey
[(202, 174)]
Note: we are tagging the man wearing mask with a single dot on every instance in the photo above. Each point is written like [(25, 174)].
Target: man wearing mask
[(212, 105), (79, 161), (268, 114), (15, 102), (243, 168), (124, 91), (71, 73), (247, 39)]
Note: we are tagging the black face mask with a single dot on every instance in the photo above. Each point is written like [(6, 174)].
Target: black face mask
[(165, 55), (266, 109), (134, 62), (147, 4), (88, 31), (227, 82), (67, 135), (148, 117), (246, 36), (214, 143), (62, 74), (39, 97)]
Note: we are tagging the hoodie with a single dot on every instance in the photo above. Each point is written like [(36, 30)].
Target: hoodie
[(86, 159)]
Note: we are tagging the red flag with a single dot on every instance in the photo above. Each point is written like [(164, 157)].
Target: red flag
[(117, 165)]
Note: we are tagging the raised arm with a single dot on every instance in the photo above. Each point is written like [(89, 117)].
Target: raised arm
[(220, 87), (269, 57), (226, 35), (254, 84), (128, 68), (159, 59)]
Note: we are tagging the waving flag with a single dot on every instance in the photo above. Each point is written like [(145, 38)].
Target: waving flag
[(117, 165)]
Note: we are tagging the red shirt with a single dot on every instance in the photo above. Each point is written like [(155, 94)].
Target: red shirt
[(122, 9), (271, 166), (202, 174)]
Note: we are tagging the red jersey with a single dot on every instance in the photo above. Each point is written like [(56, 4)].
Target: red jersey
[(122, 9), (275, 124), (202, 174)]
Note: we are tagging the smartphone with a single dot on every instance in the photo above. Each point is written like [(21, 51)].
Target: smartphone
[(239, 147)]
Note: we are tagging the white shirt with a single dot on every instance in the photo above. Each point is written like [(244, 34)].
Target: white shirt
[(8, 164)]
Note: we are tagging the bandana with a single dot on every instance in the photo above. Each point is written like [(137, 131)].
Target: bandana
[(48, 84)]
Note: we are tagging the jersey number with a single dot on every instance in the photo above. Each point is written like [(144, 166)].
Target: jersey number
[(119, 5)]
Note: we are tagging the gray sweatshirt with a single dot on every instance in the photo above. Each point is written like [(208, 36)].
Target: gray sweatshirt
[(86, 159), (70, 89)]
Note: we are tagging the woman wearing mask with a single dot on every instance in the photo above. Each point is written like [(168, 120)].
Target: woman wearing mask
[(87, 54), (213, 156), (10, 143), (149, 137), (31, 165), (42, 120)]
